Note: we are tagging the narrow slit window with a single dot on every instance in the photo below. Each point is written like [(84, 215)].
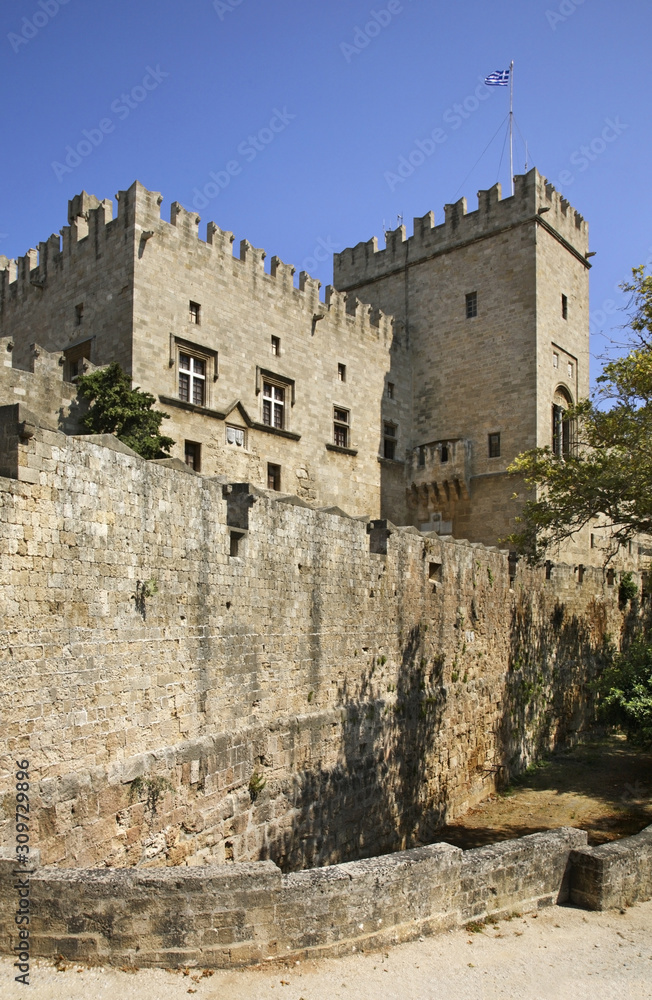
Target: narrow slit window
[(341, 373), (471, 305), (444, 453), (564, 307), (194, 313), (390, 390), (276, 346)]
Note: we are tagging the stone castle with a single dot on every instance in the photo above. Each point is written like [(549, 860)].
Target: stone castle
[(234, 657), (405, 394)]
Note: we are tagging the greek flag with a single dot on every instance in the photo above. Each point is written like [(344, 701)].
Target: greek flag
[(498, 79)]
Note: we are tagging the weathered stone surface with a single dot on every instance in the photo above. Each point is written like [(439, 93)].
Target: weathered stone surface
[(615, 874), (309, 700)]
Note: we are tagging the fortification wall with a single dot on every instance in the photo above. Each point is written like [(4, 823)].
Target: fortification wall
[(335, 689), (365, 262), (90, 266), (244, 913)]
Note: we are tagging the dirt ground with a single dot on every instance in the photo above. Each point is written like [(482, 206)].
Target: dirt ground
[(602, 786)]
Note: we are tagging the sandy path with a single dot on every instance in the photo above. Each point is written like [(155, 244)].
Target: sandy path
[(561, 953)]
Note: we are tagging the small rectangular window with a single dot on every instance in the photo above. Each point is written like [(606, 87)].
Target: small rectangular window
[(389, 441), (570, 369), (548, 570), (564, 307), (494, 446), (390, 390), (611, 576), (341, 427), (422, 456), (273, 405), (193, 455), (444, 453), (471, 305), (555, 359), (193, 314), (79, 314), (580, 573), (235, 537), (273, 477), (341, 373), (276, 346)]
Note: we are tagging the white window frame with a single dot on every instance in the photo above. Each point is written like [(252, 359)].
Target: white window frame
[(270, 388), (194, 377)]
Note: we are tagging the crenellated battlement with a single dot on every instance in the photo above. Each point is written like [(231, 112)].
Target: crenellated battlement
[(534, 200), (91, 227)]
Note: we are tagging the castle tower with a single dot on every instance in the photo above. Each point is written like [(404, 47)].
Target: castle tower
[(494, 307)]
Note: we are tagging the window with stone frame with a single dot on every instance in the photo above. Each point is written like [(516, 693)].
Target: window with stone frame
[(192, 454), (389, 440), (192, 378), (341, 428), (274, 405), (471, 305)]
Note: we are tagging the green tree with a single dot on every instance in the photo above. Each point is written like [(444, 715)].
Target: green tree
[(609, 473), (625, 690), (118, 409)]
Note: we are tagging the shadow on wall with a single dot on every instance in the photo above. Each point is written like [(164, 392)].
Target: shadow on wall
[(377, 798), (553, 659), (397, 776)]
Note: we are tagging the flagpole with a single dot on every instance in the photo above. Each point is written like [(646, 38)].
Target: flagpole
[(511, 124)]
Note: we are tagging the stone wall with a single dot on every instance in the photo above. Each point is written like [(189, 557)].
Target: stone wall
[(616, 874), (243, 913), (202, 672)]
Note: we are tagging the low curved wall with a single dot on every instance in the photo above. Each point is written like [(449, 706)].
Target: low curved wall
[(236, 914)]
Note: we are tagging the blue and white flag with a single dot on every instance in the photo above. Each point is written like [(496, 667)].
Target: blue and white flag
[(498, 79)]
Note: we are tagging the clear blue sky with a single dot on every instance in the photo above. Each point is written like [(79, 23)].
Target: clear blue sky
[(356, 84)]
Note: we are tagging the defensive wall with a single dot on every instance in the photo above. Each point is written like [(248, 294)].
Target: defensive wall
[(242, 913), (203, 672)]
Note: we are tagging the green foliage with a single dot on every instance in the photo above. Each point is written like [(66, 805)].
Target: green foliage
[(152, 788), (627, 589), (610, 473), (256, 784), (118, 409), (625, 690)]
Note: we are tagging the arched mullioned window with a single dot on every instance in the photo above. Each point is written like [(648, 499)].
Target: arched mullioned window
[(563, 429)]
